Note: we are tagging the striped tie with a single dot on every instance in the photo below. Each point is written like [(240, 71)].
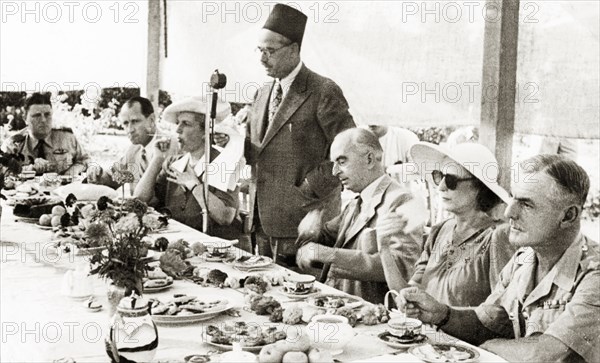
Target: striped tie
[(273, 107)]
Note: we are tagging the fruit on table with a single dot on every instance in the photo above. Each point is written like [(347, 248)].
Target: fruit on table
[(294, 357), (45, 220), (296, 348), (55, 222), (316, 355), (58, 210), (270, 354)]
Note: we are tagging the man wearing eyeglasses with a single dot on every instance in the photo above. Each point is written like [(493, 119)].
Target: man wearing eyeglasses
[(291, 125), (47, 149)]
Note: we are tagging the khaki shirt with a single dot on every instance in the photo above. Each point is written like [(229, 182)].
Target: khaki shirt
[(565, 304), (61, 149)]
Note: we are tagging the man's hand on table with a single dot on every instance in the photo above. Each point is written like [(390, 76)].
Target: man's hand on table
[(418, 304), (313, 252)]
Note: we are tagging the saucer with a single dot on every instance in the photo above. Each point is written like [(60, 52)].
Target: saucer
[(312, 292), (395, 342)]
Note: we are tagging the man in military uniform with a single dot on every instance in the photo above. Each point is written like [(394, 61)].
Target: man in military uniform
[(46, 149), (546, 306), (139, 120)]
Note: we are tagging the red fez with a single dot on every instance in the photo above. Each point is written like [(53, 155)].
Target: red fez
[(288, 22)]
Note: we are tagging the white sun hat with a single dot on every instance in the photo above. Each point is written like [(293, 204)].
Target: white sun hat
[(196, 105), (476, 158)]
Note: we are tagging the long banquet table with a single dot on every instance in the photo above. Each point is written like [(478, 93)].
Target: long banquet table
[(39, 324)]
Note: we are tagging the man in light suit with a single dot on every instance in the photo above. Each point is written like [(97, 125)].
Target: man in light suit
[(139, 120), (291, 125), (347, 244)]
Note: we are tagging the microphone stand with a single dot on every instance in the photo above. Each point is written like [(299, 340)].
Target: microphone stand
[(217, 81), (208, 128)]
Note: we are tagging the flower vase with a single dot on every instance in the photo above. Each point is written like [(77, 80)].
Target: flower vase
[(132, 335), (114, 294)]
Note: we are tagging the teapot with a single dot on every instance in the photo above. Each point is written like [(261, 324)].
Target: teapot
[(132, 335), (77, 283)]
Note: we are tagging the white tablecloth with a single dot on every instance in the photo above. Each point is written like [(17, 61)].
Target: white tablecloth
[(40, 325)]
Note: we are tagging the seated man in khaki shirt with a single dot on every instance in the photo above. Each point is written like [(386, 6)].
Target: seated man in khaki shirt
[(546, 305), (45, 149)]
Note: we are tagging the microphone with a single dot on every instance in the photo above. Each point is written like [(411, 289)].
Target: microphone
[(218, 80)]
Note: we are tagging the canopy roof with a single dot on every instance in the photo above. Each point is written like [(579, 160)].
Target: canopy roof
[(403, 63)]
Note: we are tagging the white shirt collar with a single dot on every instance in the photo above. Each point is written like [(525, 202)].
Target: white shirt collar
[(150, 147), (286, 82), (367, 194)]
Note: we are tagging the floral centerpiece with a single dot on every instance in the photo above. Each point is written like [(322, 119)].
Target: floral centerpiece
[(121, 176), (121, 232), (10, 164)]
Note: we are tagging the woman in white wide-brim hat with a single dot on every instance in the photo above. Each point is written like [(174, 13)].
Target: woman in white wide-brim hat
[(176, 182), (463, 256)]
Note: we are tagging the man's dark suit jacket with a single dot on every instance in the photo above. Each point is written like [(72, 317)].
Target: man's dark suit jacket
[(291, 163)]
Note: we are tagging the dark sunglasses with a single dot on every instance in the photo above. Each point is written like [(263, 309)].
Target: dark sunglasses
[(451, 180)]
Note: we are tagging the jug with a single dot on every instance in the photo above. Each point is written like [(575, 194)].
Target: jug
[(77, 283), (132, 335)]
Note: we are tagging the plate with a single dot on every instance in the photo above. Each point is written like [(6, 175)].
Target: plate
[(394, 342), (149, 254), (254, 262), (329, 301), (151, 290), (192, 318), (28, 220), (229, 347), (48, 228), (314, 291), (420, 352)]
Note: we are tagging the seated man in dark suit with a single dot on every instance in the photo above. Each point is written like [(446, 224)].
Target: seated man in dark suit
[(347, 244)]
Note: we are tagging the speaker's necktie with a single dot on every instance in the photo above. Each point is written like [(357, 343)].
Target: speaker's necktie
[(273, 105)]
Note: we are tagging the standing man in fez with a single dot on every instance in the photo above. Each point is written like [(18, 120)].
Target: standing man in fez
[(292, 123), (348, 244), (48, 150), (139, 120), (546, 305)]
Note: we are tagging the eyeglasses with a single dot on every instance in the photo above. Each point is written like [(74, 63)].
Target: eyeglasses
[(268, 52), (451, 180)]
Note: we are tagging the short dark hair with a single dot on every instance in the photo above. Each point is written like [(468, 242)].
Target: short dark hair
[(485, 198), (37, 99), (569, 176), (145, 104)]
